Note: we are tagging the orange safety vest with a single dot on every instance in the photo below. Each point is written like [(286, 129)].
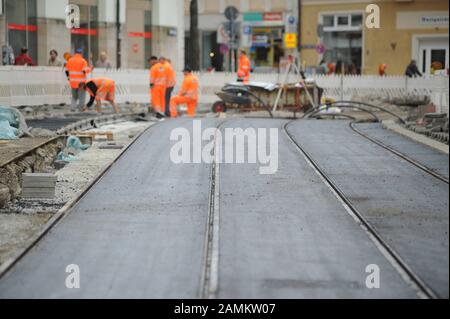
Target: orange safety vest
[(244, 67), (104, 86), (190, 87), (158, 75), (171, 76), (77, 67)]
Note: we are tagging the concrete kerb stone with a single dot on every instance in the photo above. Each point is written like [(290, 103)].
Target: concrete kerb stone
[(96, 121), (397, 128)]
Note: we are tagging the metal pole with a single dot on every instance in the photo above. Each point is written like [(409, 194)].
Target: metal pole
[(233, 61), (118, 42), (342, 81), (299, 22)]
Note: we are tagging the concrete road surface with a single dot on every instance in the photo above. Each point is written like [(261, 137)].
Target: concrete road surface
[(141, 231)]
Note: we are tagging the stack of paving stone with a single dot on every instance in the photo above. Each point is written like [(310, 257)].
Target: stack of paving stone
[(434, 125), (38, 185)]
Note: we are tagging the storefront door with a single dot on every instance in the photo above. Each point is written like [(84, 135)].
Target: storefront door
[(434, 55)]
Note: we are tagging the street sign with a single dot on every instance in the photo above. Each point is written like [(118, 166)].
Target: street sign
[(224, 32), (291, 20), (320, 48), (247, 36), (290, 40), (223, 35), (231, 13), (224, 48)]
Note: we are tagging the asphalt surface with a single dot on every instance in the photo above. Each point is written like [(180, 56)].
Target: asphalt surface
[(287, 236), (425, 155), (140, 232), (57, 123), (407, 206)]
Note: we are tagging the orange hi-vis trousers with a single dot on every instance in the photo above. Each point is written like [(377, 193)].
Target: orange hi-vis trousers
[(179, 100), (158, 93)]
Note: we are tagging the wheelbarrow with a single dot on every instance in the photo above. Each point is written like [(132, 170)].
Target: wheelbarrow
[(261, 96)]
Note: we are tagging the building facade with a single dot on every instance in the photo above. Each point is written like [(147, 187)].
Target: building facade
[(330, 30), (129, 31), (410, 29), (259, 29)]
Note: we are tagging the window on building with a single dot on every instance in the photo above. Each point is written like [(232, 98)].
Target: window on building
[(86, 37), (21, 20), (328, 21), (343, 39), (343, 21)]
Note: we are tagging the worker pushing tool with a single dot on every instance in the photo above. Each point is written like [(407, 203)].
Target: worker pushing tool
[(158, 84), (188, 94), (77, 69), (245, 67), (100, 89)]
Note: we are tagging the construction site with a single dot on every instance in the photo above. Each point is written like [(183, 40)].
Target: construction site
[(241, 185)]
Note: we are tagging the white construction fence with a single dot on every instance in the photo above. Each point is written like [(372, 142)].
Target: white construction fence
[(48, 86)]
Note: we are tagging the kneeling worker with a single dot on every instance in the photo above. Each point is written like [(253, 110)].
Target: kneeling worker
[(188, 94), (100, 89)]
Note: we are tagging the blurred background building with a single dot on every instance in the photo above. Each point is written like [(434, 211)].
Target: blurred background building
[(410, 29), (129, 31), (330, 30)]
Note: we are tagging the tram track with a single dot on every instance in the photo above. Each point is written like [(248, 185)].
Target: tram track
[(399, 154), (422, 289)]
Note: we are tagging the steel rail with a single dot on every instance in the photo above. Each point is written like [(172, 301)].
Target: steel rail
[(411, 278), (399, 154), (209, 285)]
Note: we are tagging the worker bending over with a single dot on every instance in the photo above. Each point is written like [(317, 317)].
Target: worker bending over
[(188, 94), (245, 67), (158, 84), (100, 89)]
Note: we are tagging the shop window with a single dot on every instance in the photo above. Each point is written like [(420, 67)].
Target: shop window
[(343, 40), (342, 21), (357, 20), (21, 20)]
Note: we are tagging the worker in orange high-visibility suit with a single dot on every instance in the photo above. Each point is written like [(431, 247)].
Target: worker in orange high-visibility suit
[(77, 69), (188, 94), (245, 67), (158, 85), (101, 89), (171, 83), (382, 69)]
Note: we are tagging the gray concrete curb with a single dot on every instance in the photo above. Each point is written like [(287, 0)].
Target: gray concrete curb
[(393, 126)]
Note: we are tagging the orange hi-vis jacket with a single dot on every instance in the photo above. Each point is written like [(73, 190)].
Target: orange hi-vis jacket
[(171, 76), (245, 67), (105, 89), (159, 74), (77, 69), (188, 95), (190, 87)]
